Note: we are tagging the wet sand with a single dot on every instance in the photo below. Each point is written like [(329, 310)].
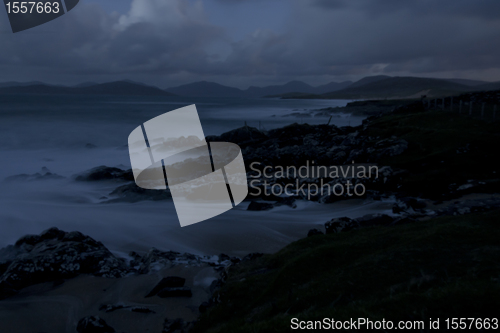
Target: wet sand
[(45, 308)]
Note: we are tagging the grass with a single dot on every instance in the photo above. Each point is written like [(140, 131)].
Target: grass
[(444, 148), (444, 267)]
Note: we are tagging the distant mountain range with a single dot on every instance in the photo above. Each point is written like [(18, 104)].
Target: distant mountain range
[(372, 87), (211, 89), (127, 88), (386, 87)]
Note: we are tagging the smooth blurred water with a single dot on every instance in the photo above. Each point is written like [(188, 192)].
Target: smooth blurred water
[(71, 134)]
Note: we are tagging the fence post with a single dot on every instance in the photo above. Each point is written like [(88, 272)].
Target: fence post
[(494, 112), (470, 108), (482, 111), (451, 104), (460, 108), (443, 104)]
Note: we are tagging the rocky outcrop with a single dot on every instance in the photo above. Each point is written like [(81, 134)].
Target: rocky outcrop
[(469, 206), (344, 224), (176, 326), (105, 173), (54, 255), (93, 324), (155, 260), (314, 232), (133, 193), (341, 224)]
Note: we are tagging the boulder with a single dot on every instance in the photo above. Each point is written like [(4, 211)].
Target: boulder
[(177, 325), (54, 255), (93, 324), (133, 193), (408, 205), (314, 232), (341, 224), (105, 173), (204, 307), (155, 260), (167, 282)]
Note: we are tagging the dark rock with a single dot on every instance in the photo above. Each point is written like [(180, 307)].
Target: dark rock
[(409, 205), (133, 193), (74, 236), (259, 206), (141, 309), (28, 239), (341, 224), (56, 255), (224, 257), (105, 173), (314, 232), (235, 260), (177, 325), (204, 307), (111, 307), (93, 324), (175, 292), (399, 207), (52, 233), (469, 206), (167, 282), (155, 258)]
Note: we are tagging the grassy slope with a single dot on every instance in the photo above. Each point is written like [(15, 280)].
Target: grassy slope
[(432, 159), (439, 268), (445, 267)]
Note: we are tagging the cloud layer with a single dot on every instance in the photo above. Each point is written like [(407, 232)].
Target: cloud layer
[(177, 41)]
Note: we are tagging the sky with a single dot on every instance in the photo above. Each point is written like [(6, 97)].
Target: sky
[(256, 42)]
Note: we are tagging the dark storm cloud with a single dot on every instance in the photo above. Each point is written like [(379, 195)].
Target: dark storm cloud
[(159, 40), (398, 36), (488, 9)]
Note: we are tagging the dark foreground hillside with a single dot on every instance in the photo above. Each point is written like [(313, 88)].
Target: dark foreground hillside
[(441, 268), (418, 268)]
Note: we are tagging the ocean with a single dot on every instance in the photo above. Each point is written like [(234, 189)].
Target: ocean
[(71, 134)]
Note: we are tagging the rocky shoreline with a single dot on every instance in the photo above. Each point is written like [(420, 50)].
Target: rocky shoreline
[(56, 258)]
